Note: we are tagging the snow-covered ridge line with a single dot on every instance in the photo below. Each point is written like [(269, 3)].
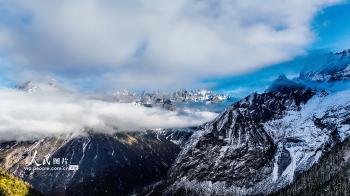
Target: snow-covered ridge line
[(331, 68), (200, 95)]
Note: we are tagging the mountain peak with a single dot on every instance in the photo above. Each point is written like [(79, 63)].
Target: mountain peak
[(330, 68), (282, 82), (35, 86), (344, 53)]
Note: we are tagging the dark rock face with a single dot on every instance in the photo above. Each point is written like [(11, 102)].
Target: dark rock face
[(235, 148), (118, 164)]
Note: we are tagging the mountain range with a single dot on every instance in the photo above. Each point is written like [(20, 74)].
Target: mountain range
[(292, 139)]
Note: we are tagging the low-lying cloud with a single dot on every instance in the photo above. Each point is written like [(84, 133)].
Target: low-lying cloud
[(153, 43), (43, 113)]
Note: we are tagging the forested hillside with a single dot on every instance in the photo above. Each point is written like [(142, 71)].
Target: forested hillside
[(11, 186)]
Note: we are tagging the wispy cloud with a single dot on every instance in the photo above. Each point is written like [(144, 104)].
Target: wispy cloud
[(153, 43), (50, 111)]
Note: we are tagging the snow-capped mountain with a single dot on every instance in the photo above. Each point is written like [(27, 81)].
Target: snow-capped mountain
[(266, 141)]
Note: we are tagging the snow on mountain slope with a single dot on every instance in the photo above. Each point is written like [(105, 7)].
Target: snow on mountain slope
[(329, 68), (234, 154), (328, 177), (262, 143), (322, 121)]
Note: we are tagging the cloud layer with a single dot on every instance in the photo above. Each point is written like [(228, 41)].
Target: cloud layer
[(49, 111), (153, 43)]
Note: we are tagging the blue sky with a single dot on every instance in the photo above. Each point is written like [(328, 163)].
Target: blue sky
[(331, 27), (236, 47)]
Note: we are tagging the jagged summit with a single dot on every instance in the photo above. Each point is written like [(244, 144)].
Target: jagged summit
[(200, 95), (283, 83), (344, 53)]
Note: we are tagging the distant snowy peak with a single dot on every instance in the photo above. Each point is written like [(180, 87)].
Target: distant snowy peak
[(181, 100), (330, 68), (337, 73), (201, 95), (33, 86), (152, 98), (344, 53)]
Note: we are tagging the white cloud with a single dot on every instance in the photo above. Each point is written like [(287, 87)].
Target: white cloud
[(154, 43), (49, 111)]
